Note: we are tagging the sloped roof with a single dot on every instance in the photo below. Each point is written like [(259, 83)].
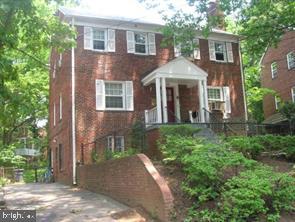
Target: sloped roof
[(275, 118), (178, 68)]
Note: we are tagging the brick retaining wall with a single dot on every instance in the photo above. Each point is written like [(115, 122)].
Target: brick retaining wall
[(132, 180)]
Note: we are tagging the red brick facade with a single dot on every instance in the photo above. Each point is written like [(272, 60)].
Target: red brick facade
[(285, 79), (121, 66), (132, 180)]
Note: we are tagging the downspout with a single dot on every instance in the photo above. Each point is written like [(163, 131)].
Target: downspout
[(73, 113), (243, 83)]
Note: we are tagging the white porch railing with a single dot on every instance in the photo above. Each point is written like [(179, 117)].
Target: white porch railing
[(151, 116), (194, 118)]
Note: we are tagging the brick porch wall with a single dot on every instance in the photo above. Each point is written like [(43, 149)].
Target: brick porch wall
[(132, 180)]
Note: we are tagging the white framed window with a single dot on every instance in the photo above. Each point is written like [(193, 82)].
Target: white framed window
[(277, 102), (215, 94), (54, 115), (219, 99), (114, 95), (220, 51), (274, 70), (291, 60), (141, 43), (60, 106), (116, 143), (293, 94), (99, 39), (140, 40)]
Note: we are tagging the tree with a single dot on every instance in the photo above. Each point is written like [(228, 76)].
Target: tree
[(288, 111), (28, 31), (260, 23)]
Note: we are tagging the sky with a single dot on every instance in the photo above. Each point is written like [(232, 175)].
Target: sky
[(130, 8)]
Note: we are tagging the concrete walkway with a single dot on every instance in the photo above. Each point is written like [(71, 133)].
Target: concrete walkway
[(56, 202)]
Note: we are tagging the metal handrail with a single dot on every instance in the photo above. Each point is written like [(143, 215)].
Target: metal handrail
[(226, 126)]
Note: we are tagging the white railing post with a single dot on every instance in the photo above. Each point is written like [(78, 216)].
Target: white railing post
[(146, 116), (190, 113)]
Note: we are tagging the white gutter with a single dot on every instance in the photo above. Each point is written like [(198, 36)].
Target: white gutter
[(243, 83), (73, 113)]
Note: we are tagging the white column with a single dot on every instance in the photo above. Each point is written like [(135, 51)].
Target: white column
[(201, 100), (206, 105), (158, 98), (164, 101)]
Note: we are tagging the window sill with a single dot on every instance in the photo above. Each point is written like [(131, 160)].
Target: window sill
[(114, 110)]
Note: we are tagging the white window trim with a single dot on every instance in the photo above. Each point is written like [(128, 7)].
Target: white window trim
[(111, 146), (225, 60), (277, 101), (288, 60), (272, 70), (146, 44), (123, 96), (105, 39), (54, 70), (60, 107), (293, 93), (221, 93)]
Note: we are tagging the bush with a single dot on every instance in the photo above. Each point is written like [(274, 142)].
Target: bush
[(29, 174), (203, 164), (251, 147), (4, 181), (178, 130), (243, 189), (248, 146), (116, 155), (256, 192)]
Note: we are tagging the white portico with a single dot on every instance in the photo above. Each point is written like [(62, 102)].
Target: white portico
[(179, 71)]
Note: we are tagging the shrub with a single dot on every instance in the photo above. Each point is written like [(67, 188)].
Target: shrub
[(255, 192), (246, 145), (253, 146), (178, 130), (4, 181), (203, 164)]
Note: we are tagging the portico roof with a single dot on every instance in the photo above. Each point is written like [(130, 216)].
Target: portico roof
[(179, 68)]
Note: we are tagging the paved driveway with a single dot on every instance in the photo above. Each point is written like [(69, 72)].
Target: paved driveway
[(56, 202)]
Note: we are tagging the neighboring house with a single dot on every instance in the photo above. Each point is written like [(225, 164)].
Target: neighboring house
[(119, 74), (278, 73)]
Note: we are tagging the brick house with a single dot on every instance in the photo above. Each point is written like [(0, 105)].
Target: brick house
[(278, 73), (119, 74)]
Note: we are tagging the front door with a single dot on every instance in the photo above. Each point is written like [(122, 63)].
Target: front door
[(170, 105)]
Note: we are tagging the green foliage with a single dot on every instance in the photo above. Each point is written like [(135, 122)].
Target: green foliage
[(203, 163), (248, 146), (288, 110), (178, 130), (256, 192), (253, 146), (29, 174), (243, 189), (4, 181), (28, 30), (9, 159), (117, 154)]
